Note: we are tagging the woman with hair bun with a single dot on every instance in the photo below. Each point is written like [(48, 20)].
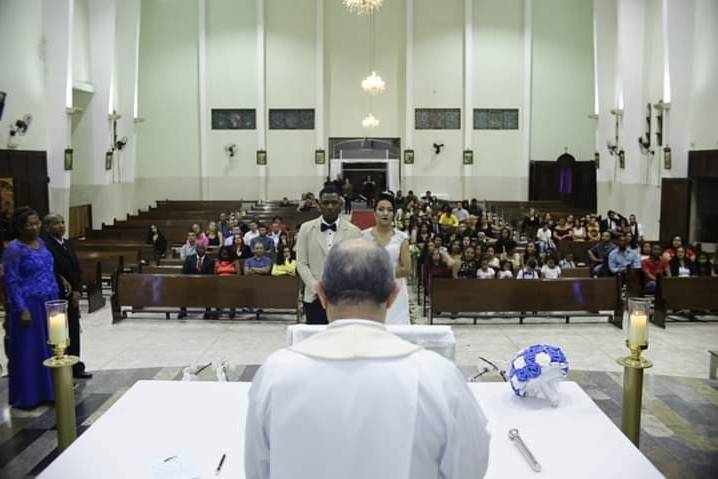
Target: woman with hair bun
[(396, 244)]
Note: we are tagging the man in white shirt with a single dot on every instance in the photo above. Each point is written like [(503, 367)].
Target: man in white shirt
[(252, 233), (543, 237), (357, 402)]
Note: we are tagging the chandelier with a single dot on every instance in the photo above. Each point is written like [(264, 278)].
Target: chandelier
[(363, 7), (370, 121), (373, 84)]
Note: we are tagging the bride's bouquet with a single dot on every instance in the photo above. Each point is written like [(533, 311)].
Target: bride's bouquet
[(536, 372)]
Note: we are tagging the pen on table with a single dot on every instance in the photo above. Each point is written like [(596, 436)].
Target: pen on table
[(221, 462)]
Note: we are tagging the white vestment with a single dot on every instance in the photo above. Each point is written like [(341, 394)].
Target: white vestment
[(357, 402)]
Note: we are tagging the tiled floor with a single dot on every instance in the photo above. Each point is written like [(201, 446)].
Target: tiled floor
[(149, 340), (680, 425)]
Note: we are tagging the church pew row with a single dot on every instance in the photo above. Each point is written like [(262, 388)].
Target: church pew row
[(674, 294), (576, 273), (213, 213), (92, 282), (279, 294), (483, 298)]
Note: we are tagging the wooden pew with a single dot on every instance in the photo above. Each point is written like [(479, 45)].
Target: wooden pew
[(131, 257), (672, 294), (191, 291), (524, 298), (164, 269), (92, 281), (576, 273)]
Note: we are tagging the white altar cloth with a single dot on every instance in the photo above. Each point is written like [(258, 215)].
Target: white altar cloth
[(199, 421)]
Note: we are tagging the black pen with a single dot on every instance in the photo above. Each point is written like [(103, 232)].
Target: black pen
[(219, 466)]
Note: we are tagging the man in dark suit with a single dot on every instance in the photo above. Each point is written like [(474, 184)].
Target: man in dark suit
[(69, 282), (198, 263)]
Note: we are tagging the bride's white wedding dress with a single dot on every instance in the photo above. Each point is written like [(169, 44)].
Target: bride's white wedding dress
[(398, 313)]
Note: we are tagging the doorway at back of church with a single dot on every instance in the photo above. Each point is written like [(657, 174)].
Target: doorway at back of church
[(368, 163)]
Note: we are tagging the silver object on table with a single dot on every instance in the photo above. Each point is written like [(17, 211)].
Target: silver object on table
[(516, 438)]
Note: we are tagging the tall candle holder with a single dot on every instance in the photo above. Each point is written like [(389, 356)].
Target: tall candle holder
[(61, 365), (633, 366)]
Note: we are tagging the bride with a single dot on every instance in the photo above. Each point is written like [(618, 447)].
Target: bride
[(396, 244)]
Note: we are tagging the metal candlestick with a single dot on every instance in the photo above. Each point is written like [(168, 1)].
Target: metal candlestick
[(633, 367), (61, 366)]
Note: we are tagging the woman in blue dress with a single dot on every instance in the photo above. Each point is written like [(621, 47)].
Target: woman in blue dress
[(29, 282)]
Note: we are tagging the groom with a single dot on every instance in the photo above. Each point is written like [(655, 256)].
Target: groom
[(316, 237)]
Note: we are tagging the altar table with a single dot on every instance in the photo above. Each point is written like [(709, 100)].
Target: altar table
[(200, 421)]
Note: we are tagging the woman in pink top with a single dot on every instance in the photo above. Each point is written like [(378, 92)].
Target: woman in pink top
[(201, 238)]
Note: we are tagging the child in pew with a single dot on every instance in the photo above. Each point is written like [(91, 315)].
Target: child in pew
[(567, 262), (507, 270), (528, 271), (550, 270), (485, 271)]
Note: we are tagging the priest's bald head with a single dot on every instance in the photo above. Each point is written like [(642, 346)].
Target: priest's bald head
[(357, 282)]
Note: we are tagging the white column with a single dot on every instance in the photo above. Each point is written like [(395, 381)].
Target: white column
[(528, 74), (596, 101), (468, 97), (57, 31), (202, 86), (321, 170), (408, 170), (127, 51), (261, 100), (102, 61)]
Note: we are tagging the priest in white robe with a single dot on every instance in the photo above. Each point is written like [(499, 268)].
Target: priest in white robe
[(357, 402)]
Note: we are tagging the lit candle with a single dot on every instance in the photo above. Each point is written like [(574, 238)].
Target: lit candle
[(57, 326), (637, 329)]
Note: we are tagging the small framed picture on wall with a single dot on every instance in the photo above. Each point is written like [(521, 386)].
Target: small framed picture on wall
[(261, 157), (108, 159), (468, 157), (68, 159), (320, 157), (408, 157)]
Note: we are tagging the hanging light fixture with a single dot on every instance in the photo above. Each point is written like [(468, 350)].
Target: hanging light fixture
[(370, 121), (373, 84), (363, 7)]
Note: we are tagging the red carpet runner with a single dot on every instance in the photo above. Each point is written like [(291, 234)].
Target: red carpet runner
[(363, 219)]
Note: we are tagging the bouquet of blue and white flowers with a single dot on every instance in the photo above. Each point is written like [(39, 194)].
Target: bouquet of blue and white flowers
[(536, 371)]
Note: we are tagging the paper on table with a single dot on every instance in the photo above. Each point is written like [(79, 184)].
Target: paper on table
[(175, 467)]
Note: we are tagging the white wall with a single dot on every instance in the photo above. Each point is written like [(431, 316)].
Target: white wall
[(703, 133), (21, 74), (562, 83), (81, 42), (291, 76), (498, 77), (438, 83), (168, 140), (500, 168), (642, 47), (676, 44)]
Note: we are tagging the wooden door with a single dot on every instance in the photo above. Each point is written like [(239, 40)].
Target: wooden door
[(28, 169), (675, 208)]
